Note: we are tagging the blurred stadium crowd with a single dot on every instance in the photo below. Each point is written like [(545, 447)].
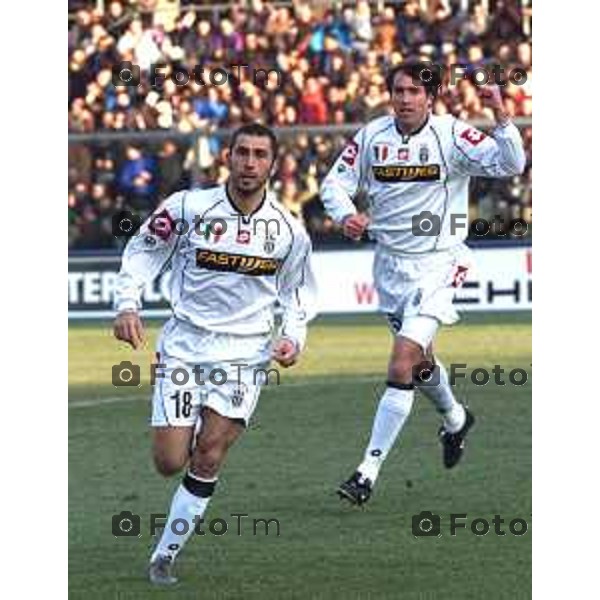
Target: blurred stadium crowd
[(331, 57)]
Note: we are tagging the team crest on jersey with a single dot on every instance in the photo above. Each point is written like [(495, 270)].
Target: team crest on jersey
[(243, 237), (212, 231), (269, 245), (424, 154), (239, 394), (381, 151), (403, 154)]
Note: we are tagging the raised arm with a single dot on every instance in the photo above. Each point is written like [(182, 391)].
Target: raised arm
[(500, 154)]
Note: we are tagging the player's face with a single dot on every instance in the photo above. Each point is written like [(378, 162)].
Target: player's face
[(410, 102), (250, 163)]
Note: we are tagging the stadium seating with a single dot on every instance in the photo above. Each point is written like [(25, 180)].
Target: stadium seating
[(132, 145)]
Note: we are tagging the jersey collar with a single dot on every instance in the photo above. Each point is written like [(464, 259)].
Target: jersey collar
[(404, 137), (236, 208)]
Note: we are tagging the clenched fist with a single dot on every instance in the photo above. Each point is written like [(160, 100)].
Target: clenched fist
[(354, 226), (491, 97), (285, 352), (128, 328)]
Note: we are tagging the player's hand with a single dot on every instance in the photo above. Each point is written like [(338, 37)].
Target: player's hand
[(285, 352), (491, 97), (354, 226), (128, 328)]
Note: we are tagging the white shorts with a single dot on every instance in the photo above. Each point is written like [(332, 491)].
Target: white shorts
[(196, 368), (416, 291)]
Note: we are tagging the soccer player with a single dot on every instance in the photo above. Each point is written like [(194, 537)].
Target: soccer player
[(234, 252), (415, 169)]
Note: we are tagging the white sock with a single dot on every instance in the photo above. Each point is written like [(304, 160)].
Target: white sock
[(187, 504), (444, 401), (393, 410)]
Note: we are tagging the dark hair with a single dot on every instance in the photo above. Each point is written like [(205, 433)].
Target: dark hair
[(258, 130), (425, 74)]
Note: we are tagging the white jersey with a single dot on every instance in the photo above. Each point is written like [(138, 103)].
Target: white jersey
[(228, 270), (428, 170)]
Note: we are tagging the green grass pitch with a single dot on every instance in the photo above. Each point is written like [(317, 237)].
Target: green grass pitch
[(308, 434)]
